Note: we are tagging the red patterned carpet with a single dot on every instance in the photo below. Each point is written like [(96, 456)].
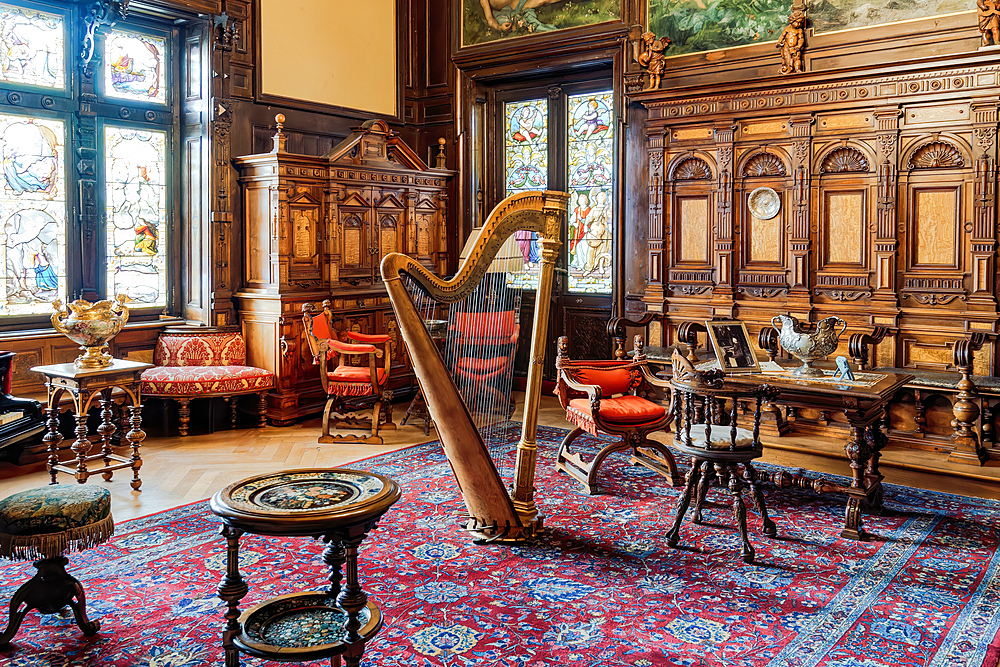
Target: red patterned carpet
[(600, 589)]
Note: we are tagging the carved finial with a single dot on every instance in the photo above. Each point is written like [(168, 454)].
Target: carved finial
[(279, 136), (441, 158)]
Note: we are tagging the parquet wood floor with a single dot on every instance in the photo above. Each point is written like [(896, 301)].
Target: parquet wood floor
[(177, 471)]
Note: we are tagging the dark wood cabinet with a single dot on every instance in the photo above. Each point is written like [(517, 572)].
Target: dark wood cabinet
[(317, 228)]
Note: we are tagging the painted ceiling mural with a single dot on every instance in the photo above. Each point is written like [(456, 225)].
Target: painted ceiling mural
[(706, 25), (489, 20)]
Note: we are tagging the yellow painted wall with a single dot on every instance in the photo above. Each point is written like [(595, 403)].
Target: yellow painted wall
[(340, 52)]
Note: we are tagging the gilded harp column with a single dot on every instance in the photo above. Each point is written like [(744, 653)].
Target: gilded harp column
[(653, 295), (984, 206)]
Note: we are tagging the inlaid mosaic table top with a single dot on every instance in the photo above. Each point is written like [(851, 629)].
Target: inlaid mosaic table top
[(297, 502)]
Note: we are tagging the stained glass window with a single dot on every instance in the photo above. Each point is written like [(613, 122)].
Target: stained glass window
[(591, 168), (136, 214), (526, 159), (32, 214), (31, 47), (134, 67)]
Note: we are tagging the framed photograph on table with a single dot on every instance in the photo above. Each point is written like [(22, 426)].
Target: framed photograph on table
[(731, 343)]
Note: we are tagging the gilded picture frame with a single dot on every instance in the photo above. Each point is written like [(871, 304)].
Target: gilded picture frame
[(501, 23), (731, 343)]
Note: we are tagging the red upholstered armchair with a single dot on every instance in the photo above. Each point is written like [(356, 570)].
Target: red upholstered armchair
[(611, 407), (202, 362), (349, 388), (480, 352)]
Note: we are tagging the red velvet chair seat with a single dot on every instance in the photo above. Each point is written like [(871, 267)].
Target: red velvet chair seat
[(631, 410), (196, 380)]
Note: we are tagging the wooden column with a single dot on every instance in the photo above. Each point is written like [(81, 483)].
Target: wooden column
[(654, 293), (799, 298), (722, 294)]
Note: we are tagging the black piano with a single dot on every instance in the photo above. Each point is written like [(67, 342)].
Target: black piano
[(21, 419)]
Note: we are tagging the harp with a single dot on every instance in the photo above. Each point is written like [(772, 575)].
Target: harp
[(466, 407)]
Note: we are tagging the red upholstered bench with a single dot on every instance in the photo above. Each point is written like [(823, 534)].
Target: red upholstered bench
[(200, 362)]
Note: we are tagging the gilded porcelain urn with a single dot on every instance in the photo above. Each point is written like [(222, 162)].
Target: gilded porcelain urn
[(808, 346), (91, 326)]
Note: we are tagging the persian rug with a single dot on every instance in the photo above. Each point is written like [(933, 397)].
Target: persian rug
[(600, 588)]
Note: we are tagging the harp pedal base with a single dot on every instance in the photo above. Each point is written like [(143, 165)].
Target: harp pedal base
[(483, 533)]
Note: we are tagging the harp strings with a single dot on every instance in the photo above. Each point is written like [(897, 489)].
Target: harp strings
[(478, 338)]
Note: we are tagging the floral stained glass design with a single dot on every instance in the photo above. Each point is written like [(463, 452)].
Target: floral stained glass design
[(526, 160), (136, 214), (32, 50), (591, 169), (32, 214), (134, 67)]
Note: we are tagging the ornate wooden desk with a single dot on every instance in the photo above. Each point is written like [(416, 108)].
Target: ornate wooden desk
[(84, 385), (863, 402), (339, 507)]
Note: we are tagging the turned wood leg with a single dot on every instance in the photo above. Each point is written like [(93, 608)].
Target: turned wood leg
[(335, 556), (758, 497), (703, 486), (53, 438), (106, 430), (352, 599), (740, 512), (919, 418), (135, 436), (694, 474), (233, 404), (855, 449), (82, 445), (231, 590), (183, 415), (262, 409)]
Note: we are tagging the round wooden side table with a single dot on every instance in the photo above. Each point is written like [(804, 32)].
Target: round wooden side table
[(336, 505)]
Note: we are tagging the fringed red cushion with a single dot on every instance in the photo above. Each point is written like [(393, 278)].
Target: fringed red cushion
[(630, 410), (356, 374), (194, 380), (474, 368)]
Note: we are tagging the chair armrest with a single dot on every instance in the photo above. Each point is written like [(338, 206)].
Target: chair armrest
[(592, 391), (858, 344), (366, 338), (652, 379), (340, 347)]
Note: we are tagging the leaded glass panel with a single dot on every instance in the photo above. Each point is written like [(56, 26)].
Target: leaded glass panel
[(526, 160), (136, 214), (32, 214), (591, 167), (134, 68), (32, 50)]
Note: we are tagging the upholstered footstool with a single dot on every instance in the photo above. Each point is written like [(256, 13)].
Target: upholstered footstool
[(41, 525)]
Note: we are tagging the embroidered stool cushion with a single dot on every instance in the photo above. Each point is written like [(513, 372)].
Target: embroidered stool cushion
[(45, 522)]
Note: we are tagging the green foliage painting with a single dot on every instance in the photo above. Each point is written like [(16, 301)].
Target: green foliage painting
[(704, 25), (489, 20)]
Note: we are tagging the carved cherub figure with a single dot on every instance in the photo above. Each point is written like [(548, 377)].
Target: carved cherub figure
[(989, 21), (652, 57), (792, 40)]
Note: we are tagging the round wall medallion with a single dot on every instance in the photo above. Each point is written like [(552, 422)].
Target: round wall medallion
[(764, 203)]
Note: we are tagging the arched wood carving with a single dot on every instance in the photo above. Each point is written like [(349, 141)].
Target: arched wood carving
[(936, 155), (843, 160), (764, 164), (693, 169)]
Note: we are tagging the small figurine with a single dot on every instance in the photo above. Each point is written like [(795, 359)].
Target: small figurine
[(989, 21), (652, 57), (843, 370), (793, 39)]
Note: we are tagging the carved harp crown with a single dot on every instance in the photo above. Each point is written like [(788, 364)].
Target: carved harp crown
[(493, 513)]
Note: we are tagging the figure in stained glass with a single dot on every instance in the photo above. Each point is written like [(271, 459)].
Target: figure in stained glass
[(29, 157), (134, 67), (32, 236), (45, 276), (31, 47), (136, 208), (590, 118), (578, 221), (529, 124)]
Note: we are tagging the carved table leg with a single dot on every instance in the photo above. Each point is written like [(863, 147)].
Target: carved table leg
[(918, 418), (352, 599), (231, 590), (184, 415), (856, 451), (81, 446), (106, 430), (335, 555), (739, 510), (135, 436), (53, 438), (694, 474), (703, 486)]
